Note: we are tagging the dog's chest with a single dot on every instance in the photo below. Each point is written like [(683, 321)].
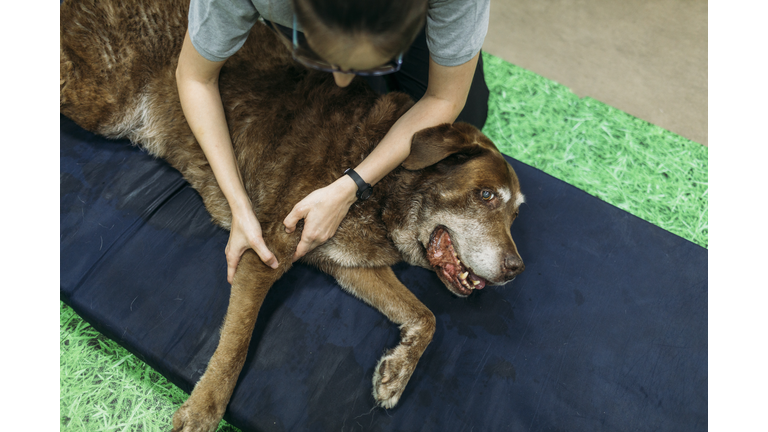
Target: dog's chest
[(360, 241)]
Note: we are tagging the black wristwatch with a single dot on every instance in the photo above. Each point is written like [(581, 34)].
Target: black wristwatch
[(364, 190)]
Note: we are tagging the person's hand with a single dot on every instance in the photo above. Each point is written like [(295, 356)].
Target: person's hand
[(244, 234), (322, 211)]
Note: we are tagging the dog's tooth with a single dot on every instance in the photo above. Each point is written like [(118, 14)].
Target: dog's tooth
[(466, 285), (458, 262), (475, 282), (464, 275)]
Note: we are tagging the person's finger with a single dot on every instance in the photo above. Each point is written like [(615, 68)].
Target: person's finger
[(233, 259), (309, 241), (305, 245), (264, 253), (298, 213)]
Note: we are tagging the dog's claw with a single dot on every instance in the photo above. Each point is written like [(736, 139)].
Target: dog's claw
[(385, 378)]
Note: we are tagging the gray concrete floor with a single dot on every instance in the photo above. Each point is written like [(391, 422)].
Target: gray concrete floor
[(647, 58)]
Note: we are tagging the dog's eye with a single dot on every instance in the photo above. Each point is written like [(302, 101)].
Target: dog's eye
[(487, 195)]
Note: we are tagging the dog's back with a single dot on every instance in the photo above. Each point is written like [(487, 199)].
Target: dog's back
[(292, 129), (108, 54)]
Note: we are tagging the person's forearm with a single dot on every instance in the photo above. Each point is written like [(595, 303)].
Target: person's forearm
[(396, 145), (204, 112), (445, 97)]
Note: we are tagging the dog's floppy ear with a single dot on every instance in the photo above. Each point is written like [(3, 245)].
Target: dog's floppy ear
[(430, 146)]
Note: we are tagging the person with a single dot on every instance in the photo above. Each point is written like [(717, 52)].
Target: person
[(432, 50)]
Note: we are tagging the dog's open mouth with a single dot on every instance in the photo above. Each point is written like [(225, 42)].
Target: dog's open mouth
[(448, 265)]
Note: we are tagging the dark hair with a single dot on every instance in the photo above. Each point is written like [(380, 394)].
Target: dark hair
[(390, 25)]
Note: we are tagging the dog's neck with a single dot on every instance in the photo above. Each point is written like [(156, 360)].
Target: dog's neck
[(400, 209)]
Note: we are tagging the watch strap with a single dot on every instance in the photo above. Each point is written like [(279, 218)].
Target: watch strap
[(364, 189)]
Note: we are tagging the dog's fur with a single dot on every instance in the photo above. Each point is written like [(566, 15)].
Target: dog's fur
[(293, 132)]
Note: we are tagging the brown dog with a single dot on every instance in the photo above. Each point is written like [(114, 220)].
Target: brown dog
[(448, 208)]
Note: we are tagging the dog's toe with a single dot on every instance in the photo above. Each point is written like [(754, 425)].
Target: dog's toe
[(391, 376), (189, 418)]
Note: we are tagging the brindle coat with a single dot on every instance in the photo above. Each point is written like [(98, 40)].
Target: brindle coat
[(294, 131)]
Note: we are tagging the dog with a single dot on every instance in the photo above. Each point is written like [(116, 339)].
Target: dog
[(448, 207)]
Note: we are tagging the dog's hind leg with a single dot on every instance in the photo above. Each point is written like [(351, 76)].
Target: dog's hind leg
[(380, 288), (208, 402)]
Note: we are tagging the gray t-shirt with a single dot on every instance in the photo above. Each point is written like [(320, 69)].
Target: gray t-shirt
[(455, 28)]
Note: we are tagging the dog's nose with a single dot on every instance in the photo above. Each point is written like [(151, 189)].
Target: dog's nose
[(513, 266)]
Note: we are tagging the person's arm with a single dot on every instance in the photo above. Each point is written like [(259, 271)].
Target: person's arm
[(198, 82), (323, 209)]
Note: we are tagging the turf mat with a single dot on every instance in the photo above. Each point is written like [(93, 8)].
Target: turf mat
[(629, 163)]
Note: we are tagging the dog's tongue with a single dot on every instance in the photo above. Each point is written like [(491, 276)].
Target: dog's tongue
[(480, 281)]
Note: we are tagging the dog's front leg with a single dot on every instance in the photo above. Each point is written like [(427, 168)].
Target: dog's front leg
[(208, 401), (380, 288)]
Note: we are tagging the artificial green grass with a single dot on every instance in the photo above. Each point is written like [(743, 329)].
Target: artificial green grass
[(103, 387), (643, 169)]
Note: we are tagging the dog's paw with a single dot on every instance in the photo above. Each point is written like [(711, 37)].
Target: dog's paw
[(391, 376), (196, 417)]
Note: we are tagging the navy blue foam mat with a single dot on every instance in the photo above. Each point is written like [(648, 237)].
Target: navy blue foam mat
[(606, 330)]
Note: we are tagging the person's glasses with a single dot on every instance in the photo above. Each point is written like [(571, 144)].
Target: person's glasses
[(309, 59)]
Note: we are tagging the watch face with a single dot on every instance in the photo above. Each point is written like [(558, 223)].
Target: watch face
[(365, 194)]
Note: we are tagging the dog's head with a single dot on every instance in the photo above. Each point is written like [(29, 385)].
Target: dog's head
[(465, 197)]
